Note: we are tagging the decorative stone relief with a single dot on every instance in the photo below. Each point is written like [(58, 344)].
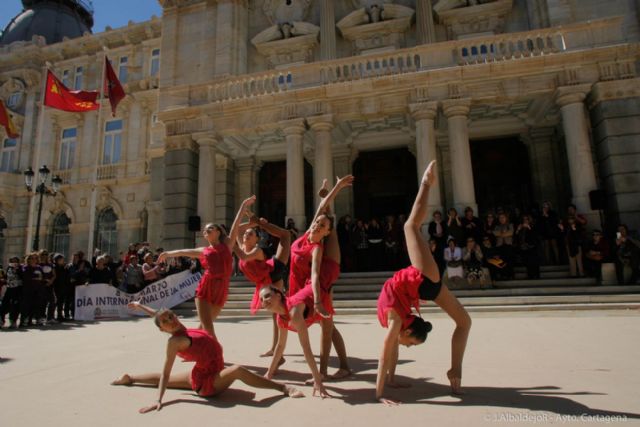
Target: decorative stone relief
[(281, 11), (376, 26), (464, 18), (13, 90)]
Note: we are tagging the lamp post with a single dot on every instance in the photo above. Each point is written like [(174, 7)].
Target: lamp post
[(42, 190)]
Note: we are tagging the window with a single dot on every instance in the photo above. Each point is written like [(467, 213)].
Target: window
[(77, 83), (155, 62), (123, 69), (14, 100), (106, 233), (112, 142), (8, 155), (61, 234), (67, 148), (66, 78)]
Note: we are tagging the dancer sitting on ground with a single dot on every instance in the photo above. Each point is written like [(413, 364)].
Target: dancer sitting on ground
[(420, 281), (257, 268), (308, 300), (208, 377), (213, 289)]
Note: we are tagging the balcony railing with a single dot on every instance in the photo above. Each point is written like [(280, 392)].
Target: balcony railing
[(501, 47)]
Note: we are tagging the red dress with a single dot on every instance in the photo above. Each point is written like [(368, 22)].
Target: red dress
[(259, 272), (304, 296), (206, 351), (400, 293), (214, 285), (300, 266)]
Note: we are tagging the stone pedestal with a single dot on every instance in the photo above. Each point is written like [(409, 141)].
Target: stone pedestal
[(576, 134), (424, 113), (457, 112), (327, 30), (425, 27), (323, 167), (293, 130)]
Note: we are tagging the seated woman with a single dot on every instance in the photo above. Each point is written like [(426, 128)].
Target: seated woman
[(420, 281), (257, 268), (208, 377), (472, 260), (453, 258)]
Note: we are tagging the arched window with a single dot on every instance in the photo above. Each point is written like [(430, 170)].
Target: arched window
[(106, 233), (61, 234)]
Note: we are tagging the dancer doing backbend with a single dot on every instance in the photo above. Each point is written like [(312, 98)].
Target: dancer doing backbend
[(308, 301), (257, 268), (208, 377), (213, 289), (420, 281)]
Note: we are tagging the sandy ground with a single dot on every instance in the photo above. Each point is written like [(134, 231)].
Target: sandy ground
[(563, 368)]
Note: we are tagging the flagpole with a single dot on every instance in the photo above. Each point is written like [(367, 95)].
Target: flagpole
[(36, 154), (94, 180)]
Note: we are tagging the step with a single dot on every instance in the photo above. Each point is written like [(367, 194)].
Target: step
[(582, 281), (545, 274)]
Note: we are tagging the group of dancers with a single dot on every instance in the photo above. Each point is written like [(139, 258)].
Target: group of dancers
[(314, 264)]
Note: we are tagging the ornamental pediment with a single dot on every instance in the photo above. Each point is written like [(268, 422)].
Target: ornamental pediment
[(477, 18), (376, 26), (287, 43)]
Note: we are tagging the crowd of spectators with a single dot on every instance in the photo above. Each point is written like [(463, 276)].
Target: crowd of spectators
[(40, 289)]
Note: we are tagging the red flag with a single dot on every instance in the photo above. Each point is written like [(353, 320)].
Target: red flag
[(58, 96), (112, 87), (5, 120)]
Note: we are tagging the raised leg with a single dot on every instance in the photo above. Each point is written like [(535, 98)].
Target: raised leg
[(284, 236), (419, 253)]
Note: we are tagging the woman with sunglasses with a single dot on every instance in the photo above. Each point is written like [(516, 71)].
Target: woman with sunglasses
[(213, 289), (420, 281), (208, 377)]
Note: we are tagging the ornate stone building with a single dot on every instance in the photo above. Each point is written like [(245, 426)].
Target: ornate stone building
[(520, 101)]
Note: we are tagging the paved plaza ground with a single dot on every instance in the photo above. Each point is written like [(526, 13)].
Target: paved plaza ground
[(563, 368)]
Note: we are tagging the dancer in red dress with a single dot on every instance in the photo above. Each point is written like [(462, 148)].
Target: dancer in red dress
[(257, 268), (208, 377), (309, 299), (213, 289), (420, 281)]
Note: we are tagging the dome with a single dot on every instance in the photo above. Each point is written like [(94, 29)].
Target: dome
[(51, 19)]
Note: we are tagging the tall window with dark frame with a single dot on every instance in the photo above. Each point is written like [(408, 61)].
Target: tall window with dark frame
[(106, 232), (61, 235)]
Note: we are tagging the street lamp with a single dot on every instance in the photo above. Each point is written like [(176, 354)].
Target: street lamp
[(42, 190)]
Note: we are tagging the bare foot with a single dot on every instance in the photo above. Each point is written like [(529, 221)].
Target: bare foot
[(292, 392), (324, 191), (429, 177), (310, 381), (281, 362), (341, 373), (455, 378), (123, 380), (267, 353)]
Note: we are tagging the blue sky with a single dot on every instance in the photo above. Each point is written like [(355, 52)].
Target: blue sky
[(115, 13)]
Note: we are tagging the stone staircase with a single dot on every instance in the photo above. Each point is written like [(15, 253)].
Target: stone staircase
[(357, 293)]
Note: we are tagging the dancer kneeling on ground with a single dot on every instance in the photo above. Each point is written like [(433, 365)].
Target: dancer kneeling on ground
[(213, 289), (258, 269), (209, 377), (420, 281)]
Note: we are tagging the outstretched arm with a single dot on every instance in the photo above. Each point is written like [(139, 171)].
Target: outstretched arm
[(191, 253), (303, 334), (135, 305), (387, 362), (172, 350), (277, 354), (233, 234), (255, 253), (345, 181)]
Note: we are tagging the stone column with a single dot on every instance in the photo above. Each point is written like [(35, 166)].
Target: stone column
[(245, 179), (425, 27), (327, 30), (424, 113), (294, 130), (457, 112), (207, 180), (576, 135), (323, 166), (344, 157), (232, 31)]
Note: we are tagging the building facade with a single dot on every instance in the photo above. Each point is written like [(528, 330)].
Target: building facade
[(519, 101)]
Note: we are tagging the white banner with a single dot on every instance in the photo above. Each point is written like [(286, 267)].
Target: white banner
[(102, 301)]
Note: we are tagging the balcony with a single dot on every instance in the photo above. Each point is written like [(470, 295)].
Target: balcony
[(490, 49)]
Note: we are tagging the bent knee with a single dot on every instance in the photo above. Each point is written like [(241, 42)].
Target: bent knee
[(464, 321)]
